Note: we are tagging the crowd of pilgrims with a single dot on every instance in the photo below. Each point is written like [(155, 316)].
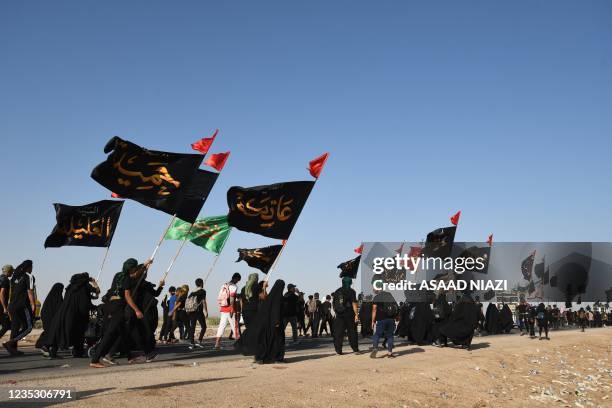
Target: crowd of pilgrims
[(258, 316)]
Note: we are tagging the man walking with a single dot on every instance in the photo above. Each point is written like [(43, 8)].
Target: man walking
[(226, 301), (22, 305), (384, 312), (290, 311), (197, 310), (345, 306), (326, 317)]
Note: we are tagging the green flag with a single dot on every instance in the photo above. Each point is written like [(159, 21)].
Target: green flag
[(209, 233)]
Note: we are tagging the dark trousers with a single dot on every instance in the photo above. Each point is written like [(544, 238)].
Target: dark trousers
[(166, 324), (384, 328), (325, 322), (531, 326), (543, 325), (313, 324), (293, 321), (22, 322), (5, 323), (345, 325), (196, 317), (115, 330), (180, 320), (301, 320)]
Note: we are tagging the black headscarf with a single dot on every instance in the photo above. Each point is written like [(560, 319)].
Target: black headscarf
[(52, 303), (265, 338)]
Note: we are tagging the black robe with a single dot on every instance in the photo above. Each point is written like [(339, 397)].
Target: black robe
[(265, 338), (460, 326), (71, 320), (421, 325), (365, 317), (416, 323), (146, 300), (492, 317), (50, 307), (506, 320)]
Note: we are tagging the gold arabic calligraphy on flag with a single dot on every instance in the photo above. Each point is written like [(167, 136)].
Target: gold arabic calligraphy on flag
[(269, 209), (159, 173)]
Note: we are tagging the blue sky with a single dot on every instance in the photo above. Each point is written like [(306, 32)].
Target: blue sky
[(500, 109)]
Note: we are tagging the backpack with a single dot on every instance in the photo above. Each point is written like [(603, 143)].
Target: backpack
[(192, 304), (223, 299), (312, 306), (339, 303), (390, 309)]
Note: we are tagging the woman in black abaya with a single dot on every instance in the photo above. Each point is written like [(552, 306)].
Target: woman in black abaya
[(70, 322), (460, 326), (365, 317), (492, 324), (50, 307), (264, 338), (506, 320)]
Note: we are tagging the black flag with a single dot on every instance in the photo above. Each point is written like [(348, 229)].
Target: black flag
[(538, 270), (349, 268), (527, 266), (260, 258), (90, 225), (439, 243), (153, 178), (475, 252), (269, 210), (196, 194)]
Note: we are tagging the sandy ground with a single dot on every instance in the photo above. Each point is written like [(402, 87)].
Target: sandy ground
[(573, 369)]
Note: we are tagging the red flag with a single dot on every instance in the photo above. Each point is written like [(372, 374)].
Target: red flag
[(115, 195), (490, 240), (316, 165), (359, 249), (455, 218), (217, 160), (400, 249), (415, 252), (204, 144)]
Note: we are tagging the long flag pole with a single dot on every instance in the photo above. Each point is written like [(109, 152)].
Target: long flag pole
[(214, 263), (161, 239), (178, 252), (212, 266), (103, 262)]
